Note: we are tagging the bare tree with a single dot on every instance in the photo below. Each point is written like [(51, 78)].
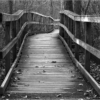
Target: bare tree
[(68, 5), (10, 6)]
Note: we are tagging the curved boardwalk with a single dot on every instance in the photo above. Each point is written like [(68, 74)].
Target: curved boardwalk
[(46, 70)]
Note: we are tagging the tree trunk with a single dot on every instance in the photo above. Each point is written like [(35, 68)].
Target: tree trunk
[(10, 6), (77, 6), (68, 5)]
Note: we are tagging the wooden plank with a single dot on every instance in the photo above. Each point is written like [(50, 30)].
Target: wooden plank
[(41, 77), (13, 17)]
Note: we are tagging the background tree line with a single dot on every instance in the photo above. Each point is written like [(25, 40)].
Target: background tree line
[(47, 7)]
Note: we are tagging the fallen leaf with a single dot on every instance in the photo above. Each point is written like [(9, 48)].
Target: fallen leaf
[(79, 77), (36, 66), (44, 71), (25, 97), (80, 90), (59, 95), (94, 96), (86, 94), (88, 98), (7, 99), (54, 62), (37, 97), (8, 95), (3, 97), (16, 79), (73, 76), (80, 84), (26, 85)]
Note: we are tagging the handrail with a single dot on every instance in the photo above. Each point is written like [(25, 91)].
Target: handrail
[(14, 17), (82, 18), (70, 32), (19, 24), (84, 45), (19, 14)]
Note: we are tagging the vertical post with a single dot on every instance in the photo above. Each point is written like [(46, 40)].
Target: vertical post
[(77, 35), (88, 40), (65, 34), (14, 35), (7, 40), (68, 26), (70, 29), (17, 30), (0, 23), (62, 22), (19, 23)]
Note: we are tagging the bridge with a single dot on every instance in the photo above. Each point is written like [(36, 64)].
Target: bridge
[(42, 62)]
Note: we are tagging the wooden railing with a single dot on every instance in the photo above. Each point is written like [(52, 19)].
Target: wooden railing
[(71, 31), (17, 28)]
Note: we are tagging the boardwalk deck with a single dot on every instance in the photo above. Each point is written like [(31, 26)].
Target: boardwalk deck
[(46, 68)]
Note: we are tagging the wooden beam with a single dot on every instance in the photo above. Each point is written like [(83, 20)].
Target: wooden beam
[(84, 45), (19, 14), (81, 18)]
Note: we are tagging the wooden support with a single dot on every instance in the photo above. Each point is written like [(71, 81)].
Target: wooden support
[(68, 25), (7, 40), (61, 29), (14, 35), (19, 23), (77, 35), (70, 28), (65, 23), (88, 40)]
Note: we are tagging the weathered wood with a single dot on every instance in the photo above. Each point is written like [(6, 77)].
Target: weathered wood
[(88, 40), (82, 69), (14, 26), (53, 76), (13, 17), (84, 45), (77, 35), (81, 18), (7, 40), (14, 35)]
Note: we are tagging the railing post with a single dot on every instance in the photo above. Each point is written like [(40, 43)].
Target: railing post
[(70, 29), (14, 35), (65, 34), (7, 40), (68, 26), (77, 35), (88, 40), (61, 29)]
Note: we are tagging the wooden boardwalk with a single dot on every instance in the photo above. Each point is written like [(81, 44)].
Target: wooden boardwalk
[(46, 68)]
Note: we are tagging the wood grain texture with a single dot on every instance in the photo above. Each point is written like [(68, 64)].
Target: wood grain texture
[(81, 18), (47, 72)]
